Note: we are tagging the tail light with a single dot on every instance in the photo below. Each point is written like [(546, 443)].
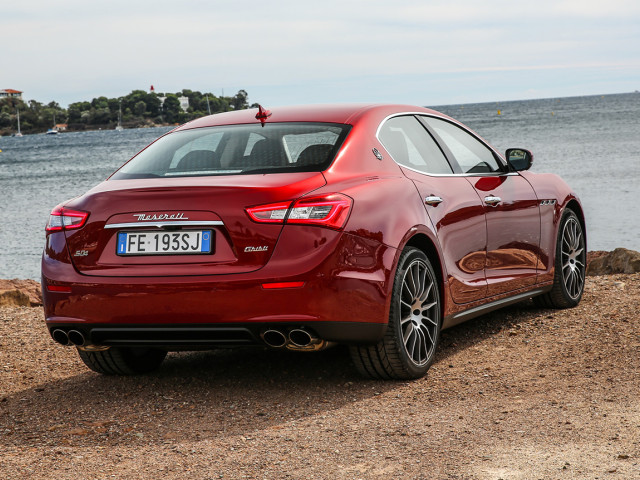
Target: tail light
[(272, 213), (65, 219), (327, 211)]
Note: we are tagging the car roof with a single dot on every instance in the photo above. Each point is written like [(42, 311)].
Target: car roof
[(331, 113)]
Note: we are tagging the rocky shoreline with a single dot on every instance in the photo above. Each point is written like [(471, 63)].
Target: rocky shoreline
[(27, 293)]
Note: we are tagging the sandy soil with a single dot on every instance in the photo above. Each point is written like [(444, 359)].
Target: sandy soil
[(522, 393)]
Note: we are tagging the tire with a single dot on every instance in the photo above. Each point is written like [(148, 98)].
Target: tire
[(570, 266), (408, 347), (123, 360)]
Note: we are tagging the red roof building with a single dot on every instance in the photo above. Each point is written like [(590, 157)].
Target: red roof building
[(9, 92)]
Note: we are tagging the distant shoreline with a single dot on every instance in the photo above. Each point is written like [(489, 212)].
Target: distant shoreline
[(99, 129)]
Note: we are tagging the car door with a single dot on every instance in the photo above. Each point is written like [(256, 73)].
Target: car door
[(451, 203), (510, 205)]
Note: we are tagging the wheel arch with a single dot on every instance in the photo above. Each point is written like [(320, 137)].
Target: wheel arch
[(426, 245), (576, 208)]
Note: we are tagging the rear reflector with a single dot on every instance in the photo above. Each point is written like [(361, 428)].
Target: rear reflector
[(58, 288), (327, 210), (283, 285), (65, 219)]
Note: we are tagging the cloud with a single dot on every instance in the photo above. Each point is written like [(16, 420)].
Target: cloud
[(76, 49)]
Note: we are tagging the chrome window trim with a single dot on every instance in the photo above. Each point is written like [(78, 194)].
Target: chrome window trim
[(180, 223), (458, 124), (488, 174)]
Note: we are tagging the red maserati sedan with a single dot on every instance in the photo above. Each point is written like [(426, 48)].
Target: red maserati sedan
[(374, 226)]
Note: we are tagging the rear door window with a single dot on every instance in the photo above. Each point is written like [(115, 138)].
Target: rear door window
[(411, 145)]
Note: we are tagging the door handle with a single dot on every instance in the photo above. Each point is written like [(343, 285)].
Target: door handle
[(433, 200), (491, 200)]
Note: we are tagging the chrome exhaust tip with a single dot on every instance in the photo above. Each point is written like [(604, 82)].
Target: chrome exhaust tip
[(274, 338), (60, 336), (76, 338), (300, 338), (302, 341)]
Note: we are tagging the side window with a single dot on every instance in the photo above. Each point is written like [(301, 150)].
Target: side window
[(410, 145), (471, 154)]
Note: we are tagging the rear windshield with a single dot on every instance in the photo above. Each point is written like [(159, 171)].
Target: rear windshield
[(239, 150)]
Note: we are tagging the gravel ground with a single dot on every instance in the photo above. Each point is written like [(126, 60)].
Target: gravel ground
[(522, 393)]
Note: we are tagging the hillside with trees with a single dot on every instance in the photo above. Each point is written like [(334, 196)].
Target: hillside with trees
[(139, 109)]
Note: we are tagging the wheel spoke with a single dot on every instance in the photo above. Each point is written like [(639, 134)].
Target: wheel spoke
[(422, 348), (415, 279), (407, 334), (411, 286), (430, 320), (405, 319), (423, 282), (415, 343), (426, 292), (428, 306), (405, 286), (431, 339)]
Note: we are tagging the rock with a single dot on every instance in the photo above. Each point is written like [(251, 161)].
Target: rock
[(621, 260), (14, 298), (28, 288)]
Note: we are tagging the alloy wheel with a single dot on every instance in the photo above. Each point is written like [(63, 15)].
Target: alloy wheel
[(419, 312), (573, 258)]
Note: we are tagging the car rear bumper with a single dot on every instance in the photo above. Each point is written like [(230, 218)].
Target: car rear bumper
[(344, 298)]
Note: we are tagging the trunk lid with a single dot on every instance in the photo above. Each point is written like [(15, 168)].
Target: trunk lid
[(179, 205)]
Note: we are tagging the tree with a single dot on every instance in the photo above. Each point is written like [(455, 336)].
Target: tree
[(5, 119), (171, 108), (239, 101), (139, 108)]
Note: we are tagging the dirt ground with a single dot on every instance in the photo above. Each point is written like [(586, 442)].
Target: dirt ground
[(523, 393)]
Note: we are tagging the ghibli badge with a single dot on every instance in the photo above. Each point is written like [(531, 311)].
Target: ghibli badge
[(264, 248)]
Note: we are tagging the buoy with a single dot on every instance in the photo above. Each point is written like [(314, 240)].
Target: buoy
[(552, 114), (499, 112)]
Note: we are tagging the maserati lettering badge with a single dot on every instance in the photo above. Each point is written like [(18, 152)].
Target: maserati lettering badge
[(163, 216), (264, 248)]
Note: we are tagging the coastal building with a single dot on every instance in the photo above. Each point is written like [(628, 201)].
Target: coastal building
[(9, 92), (184, 102)]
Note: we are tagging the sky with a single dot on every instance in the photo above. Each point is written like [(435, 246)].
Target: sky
[(282, 52)]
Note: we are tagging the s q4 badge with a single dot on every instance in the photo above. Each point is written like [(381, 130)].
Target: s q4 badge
[(377, 154)]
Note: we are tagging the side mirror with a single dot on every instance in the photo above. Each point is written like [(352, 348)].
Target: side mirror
[(519, 159)]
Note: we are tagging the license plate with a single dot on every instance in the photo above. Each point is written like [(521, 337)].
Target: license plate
[(191, 242)]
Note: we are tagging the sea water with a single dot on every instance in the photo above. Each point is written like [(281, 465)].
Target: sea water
[(592, 142)]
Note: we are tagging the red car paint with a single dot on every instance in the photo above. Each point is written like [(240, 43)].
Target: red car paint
[(333, 281)]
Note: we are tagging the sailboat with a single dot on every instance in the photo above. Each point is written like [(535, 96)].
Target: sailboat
[(119, 127), (19, 133), (52, 130)]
